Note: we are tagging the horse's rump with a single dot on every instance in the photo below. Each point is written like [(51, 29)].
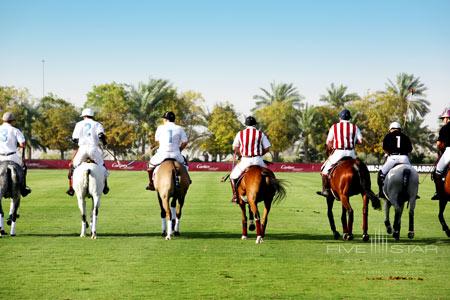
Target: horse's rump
[(262, 181), (401, 184), (82, 182), (171, 175), (11, 176)]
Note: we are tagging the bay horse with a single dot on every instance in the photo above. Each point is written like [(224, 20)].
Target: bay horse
[(258, 184), (400, 186), (443, 199), (348, 178), (11, 175), (171, 182), (88, 181)]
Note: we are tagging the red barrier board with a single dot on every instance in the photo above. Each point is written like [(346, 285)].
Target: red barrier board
[(193, 166)]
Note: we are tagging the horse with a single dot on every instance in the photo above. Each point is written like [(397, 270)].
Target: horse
[(171, 182), (400, 186), (348, 178), (258, 184), (11, 175), (443, 199), (88, 181)]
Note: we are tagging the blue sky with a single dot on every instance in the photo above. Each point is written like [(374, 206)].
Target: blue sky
[(226, 50)]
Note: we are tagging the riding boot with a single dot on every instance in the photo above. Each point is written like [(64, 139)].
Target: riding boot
[(380, 181), (70, 191), (234, 190), (325, 186), (24, 189), (150, 186), (439, 183)]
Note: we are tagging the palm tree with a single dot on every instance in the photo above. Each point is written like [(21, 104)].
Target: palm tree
[(410, 93), (278, 92), (147, 99), (337, 96), (306, 123)]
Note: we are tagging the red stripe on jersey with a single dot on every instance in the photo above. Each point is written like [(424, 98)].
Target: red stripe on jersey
[(259, 143), (335, 136), (252, 142), (347, 135)]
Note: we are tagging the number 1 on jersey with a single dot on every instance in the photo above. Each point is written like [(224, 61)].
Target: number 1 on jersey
[(170, 136), (398, 141)]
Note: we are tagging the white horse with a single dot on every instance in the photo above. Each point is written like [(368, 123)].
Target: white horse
[(400, 186), (10, 177), (88, 181)]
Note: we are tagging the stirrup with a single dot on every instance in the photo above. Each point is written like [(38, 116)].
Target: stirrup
[(435, 196), (25, 191), (150, 187), (105, 189), (324, 193)]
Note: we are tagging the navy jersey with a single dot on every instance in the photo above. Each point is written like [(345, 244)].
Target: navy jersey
[(396, 142), (444, 135)]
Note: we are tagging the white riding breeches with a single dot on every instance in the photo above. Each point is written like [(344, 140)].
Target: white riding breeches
[(91, 152), (13, 157), (443, 161), (160, 156), (393, 160), (245, 163), (337, 155)]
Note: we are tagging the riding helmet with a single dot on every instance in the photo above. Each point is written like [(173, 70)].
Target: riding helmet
[(250, 121), (445, 114), (8, 116), (87, 112), (345, 115), (169, 115), (395, 125)]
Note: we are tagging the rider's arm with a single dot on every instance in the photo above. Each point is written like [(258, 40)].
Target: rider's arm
[(265, 150), (102, 138), (183, 145)]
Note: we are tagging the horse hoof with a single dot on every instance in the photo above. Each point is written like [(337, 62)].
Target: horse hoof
[(336, 235), (350, 236), (389, 229), (3, 233), (82, 235), (396, 235), (365, 237), (259, 239), (252, 227), (13, 234), (164, 233), (94, 236), (9, 221), (176, 233), (168, 238), (244, 237), (448, 232), (411, 235), (345, 236)]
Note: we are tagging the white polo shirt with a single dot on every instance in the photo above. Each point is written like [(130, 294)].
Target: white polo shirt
[(9, 138), (87, 131), (170, 137)]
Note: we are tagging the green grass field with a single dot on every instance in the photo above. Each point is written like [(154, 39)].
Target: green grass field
[(129, 260)]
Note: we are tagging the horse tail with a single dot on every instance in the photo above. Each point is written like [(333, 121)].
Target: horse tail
[(364, 181), (279, 187), (405, 183), (15, 180), (85, 184)]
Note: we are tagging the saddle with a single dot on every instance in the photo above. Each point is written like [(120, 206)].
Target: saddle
[(265, 173), (341, 161)]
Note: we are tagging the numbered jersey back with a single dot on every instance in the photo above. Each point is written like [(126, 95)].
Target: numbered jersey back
[(170, 136), (397, 143)]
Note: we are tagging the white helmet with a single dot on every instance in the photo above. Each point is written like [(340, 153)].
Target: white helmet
[(87, 112), (395, 125)]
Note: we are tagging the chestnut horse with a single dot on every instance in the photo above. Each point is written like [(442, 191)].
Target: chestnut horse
[(350, 177), (171, 181), (258, 184), (443, 199)]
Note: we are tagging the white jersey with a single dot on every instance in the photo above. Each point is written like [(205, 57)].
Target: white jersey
[(170, 137), (87, 132), (9, 138)]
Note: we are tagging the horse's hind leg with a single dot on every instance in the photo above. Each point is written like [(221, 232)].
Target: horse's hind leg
[(347, 225), (442, 205), (95, 207), (254, 208), (397, 221), (330, 202), (251, 219), (365, 212), (2, 219), (387, 223), (178, 215), (82, 207), (173, 212), (411, 222), (15, 203), (244, 220), (265, 218), (163, 218)]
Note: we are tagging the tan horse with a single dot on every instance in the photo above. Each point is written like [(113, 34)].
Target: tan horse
[(171, 182), (258, 184)]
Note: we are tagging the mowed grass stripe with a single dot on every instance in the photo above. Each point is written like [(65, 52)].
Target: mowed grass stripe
[(299, 259)]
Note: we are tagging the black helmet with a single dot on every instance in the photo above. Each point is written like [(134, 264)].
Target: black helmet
[(250, 121), (345, 115), (169, 115)]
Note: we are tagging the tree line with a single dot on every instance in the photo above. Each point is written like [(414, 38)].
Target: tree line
[(297, 130)]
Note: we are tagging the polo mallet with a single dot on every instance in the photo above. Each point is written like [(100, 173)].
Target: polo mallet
[(226, 176)]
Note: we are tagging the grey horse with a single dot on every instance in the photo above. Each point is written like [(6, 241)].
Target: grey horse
[(400, 186), (11, 176)]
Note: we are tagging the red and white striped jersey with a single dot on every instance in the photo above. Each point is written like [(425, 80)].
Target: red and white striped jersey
[(251, 142), (344, 135)]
